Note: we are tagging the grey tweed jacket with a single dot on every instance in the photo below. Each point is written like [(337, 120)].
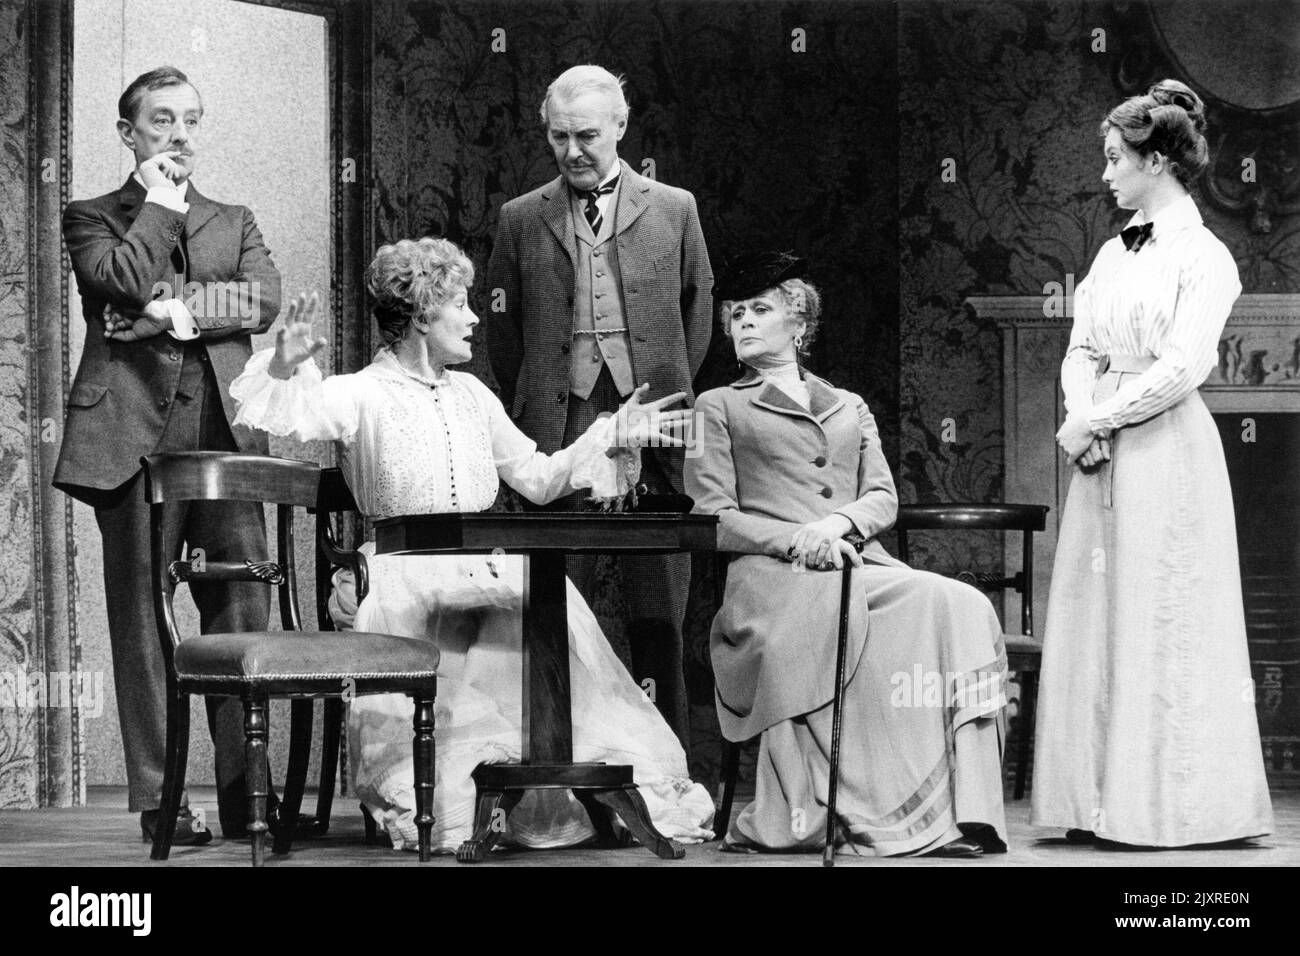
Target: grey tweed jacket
[(667, 297)]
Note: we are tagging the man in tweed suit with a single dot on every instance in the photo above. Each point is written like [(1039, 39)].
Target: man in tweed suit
[(172, 285), (600, 283)]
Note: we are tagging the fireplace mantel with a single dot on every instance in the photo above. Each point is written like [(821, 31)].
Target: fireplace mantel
[(1259, 354), (1258, 372)]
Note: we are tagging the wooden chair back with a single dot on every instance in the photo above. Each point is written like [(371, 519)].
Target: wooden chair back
[(982, 517), (335, 507), (175, 477)]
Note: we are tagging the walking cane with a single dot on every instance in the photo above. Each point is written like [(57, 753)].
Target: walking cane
[(841, 651)]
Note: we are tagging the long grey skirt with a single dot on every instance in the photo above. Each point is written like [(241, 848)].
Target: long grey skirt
[(921, 741)]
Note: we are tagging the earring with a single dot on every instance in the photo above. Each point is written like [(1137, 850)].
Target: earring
[(798, 341)]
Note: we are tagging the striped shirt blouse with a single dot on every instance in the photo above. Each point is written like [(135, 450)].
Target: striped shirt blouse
[(1169, 299)]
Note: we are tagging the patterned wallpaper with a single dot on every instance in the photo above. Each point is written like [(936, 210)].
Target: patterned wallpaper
[(780, 148), (18, 726)]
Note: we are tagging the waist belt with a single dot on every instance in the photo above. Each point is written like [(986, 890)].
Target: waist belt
[(1125, 363)]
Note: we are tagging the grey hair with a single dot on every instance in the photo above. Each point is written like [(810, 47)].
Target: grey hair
[(413, 277), (803, 301), (577, 80)]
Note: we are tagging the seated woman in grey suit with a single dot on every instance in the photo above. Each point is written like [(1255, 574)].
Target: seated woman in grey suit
[(792, 465)]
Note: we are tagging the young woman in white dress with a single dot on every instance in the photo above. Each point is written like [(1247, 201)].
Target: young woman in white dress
[(1147, 733), (416, 438)]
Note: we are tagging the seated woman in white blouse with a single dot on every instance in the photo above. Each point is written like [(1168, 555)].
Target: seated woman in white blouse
[(415, 438)]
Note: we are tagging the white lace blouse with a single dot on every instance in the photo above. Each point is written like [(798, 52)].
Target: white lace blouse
[(410, 445)]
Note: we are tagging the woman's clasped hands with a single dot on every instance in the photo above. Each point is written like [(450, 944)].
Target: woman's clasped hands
[(820, 545), (1082, 446)]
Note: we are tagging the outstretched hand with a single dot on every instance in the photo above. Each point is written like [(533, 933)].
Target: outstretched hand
[(297, 341), (641, 424)]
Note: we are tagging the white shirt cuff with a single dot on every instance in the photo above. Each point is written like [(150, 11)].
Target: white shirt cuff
[(183, 327), (167, 196)]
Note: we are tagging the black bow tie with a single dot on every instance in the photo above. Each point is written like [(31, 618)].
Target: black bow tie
[(1136, 236)]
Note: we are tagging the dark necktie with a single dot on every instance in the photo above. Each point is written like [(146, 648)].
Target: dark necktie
[(591, 210), (1136, 236)]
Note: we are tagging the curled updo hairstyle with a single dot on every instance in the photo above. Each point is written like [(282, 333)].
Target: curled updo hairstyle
[(1169, 120), (803, 301), (414, 277)]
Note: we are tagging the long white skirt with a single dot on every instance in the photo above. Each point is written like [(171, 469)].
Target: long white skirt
[(1146, 719), (471, 606)]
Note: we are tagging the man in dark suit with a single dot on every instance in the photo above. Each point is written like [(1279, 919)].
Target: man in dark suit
[(172, 286), (601, 282)]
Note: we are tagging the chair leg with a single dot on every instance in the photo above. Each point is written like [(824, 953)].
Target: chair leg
[(1028, 704), (331, 737), (424, 757), (255, 773), (295, 781), (730, 771), (372, 829), (178, 746)]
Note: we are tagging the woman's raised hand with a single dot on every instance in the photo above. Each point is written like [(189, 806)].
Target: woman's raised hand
[(297, 341), (645, 424)]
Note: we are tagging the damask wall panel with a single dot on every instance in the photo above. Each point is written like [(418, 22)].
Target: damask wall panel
[(19, 726), (780, 147), (995, 96)]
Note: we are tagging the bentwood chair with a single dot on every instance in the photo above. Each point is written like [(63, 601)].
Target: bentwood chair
[(1024, 650), (259, 666)]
